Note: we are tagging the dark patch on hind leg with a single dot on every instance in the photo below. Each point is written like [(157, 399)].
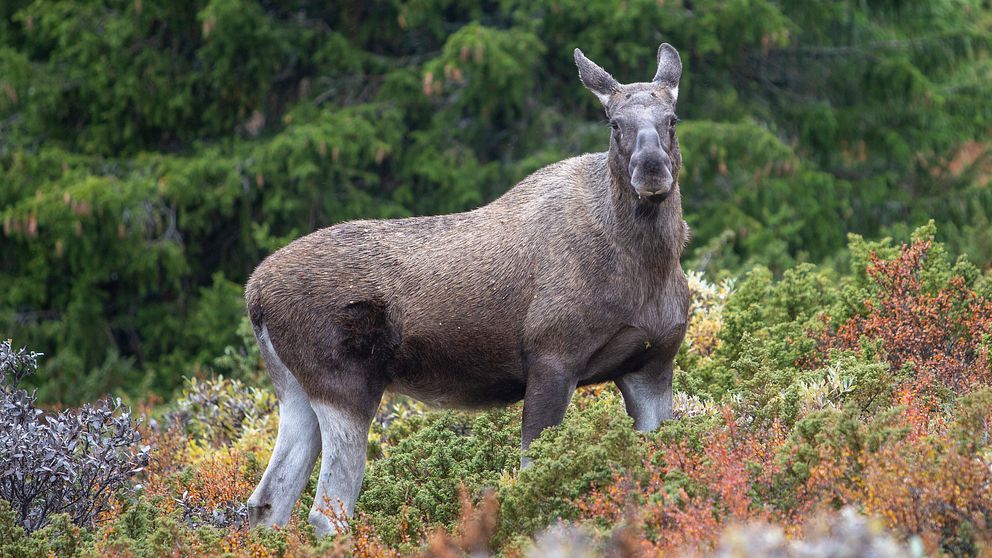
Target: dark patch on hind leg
[(367, 332)]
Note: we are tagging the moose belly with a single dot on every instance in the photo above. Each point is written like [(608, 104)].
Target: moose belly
[(626, 351), (467, 373)]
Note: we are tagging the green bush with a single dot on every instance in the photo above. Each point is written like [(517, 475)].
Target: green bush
[(596, 440), (416, 487), (218, 410), (154, 152)]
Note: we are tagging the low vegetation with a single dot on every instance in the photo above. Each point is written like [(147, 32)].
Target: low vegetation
[(817, 413), (67, 462)]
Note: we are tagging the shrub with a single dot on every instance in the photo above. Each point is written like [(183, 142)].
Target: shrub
[(60, 538), (921, 315), (398, 417), (242, 361), (16, 365), (685, 492), (218, 409), (762, 324), (596, 440), (214, 491), (922, 488), (416, 487), (70, 462)]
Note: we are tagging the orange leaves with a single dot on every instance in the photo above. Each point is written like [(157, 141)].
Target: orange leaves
[(935, 330), (921, 488), (686, 496), (471, 537), (218, 480)]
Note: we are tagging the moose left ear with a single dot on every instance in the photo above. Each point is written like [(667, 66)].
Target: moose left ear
[(669, 68), (596, 79)]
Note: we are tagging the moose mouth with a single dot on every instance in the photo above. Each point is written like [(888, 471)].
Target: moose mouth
[(652, 180)]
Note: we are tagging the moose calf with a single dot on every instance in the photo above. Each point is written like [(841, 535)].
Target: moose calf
[(570, 278)]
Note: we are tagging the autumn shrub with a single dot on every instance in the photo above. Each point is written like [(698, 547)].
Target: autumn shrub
[(147, 529), (72, 461), (213, 491), (686, 491), (473, 534), (799, 399), (705, 317), (920, 315), (920, 487), (971, 429), (204, 483)]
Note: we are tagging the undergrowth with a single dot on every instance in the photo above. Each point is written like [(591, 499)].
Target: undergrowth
[(814, 412)]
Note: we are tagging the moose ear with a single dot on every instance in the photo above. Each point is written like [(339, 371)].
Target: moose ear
[(669, 68), (596, 79)]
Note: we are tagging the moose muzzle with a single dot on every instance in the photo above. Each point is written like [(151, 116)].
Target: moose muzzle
[(650, 167)]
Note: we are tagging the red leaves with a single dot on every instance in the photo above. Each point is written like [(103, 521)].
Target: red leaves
[(932, 330)]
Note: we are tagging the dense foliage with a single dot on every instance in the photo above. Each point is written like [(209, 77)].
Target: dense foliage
[(834, 392), (153, 152), (819, 440)]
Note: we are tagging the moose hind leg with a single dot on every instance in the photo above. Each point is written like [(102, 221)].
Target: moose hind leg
[(296, 448), (344, 438), (647, 394)]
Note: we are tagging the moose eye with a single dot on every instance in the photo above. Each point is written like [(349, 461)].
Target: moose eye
[(673, 121), (615, 125)]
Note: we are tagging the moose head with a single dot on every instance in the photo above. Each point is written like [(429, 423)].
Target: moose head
[(644, 150)]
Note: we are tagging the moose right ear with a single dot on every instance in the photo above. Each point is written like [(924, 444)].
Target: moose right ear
[(669, 69), (596, 79)]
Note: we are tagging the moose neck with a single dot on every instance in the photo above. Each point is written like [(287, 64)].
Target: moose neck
[(654, 233)]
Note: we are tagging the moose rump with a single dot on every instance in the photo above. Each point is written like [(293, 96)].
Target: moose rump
[(340, 318)]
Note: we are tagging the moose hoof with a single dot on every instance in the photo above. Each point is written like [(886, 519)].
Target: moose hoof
[(323, 525)]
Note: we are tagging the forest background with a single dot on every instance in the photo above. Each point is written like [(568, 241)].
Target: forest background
[(154, 152)]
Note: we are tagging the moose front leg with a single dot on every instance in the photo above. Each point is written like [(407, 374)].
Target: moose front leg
[(550, 385), (647, 394)]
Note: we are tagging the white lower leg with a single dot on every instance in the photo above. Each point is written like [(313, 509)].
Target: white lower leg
[(648, 397), (295, 451), (344, 438)]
